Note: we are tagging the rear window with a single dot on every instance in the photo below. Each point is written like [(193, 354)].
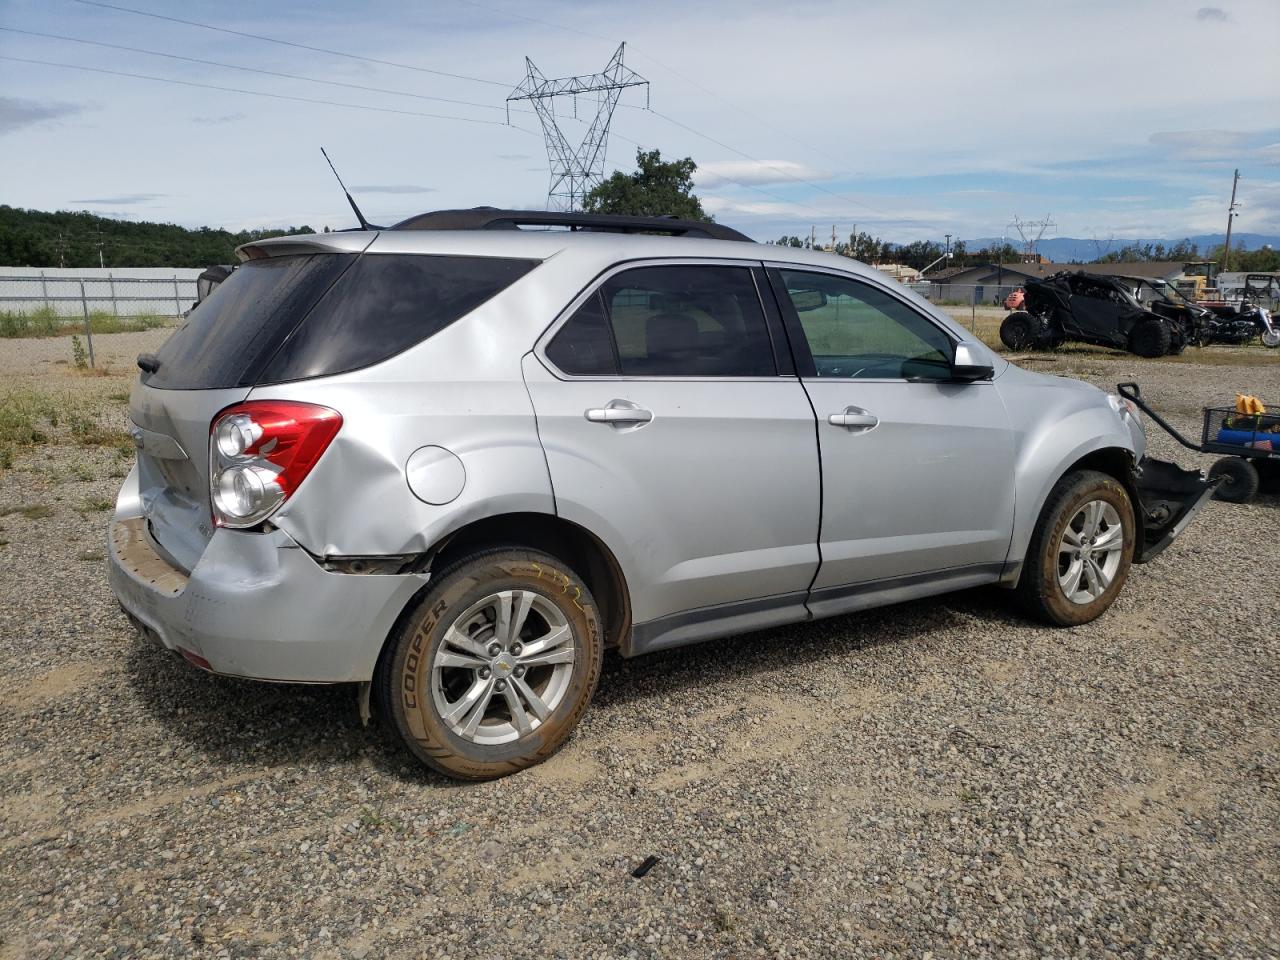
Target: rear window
[(291, 318), (228, 339)]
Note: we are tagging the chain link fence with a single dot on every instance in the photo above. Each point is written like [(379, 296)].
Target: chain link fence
[(87, 320)]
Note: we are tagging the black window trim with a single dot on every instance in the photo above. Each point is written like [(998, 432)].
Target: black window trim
[(805, 365), (596, 285)]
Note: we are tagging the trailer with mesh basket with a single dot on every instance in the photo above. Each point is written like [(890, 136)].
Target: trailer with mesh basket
[(1244, 440)]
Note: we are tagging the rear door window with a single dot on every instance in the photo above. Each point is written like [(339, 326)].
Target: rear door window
[(668, 321)]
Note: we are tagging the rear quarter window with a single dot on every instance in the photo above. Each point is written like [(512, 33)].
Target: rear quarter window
[(293, 318), (385, 304)]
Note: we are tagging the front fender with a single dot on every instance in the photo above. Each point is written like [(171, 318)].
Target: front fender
[(1060, 425)]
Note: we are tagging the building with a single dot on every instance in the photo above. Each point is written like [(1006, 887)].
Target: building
[(991, 282), (899, 271)]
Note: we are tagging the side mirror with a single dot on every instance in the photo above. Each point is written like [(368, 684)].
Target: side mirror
[(971, 363)]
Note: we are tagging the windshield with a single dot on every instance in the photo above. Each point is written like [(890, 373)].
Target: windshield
[(1167, 291)]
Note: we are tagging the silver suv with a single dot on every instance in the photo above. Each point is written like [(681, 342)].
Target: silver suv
[(455, 460)]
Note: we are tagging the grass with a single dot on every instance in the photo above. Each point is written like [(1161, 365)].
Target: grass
[(32, 418), (32, 511), (46, 322)]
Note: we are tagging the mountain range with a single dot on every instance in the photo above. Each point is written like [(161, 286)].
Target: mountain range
[(1076, 250)]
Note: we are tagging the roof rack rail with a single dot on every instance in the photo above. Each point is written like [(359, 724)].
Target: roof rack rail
[(491, 218)]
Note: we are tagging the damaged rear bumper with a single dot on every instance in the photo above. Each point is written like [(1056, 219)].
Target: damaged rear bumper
[(256, 605), (1169, 498)]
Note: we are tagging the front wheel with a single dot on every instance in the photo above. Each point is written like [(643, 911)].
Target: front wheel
[(494, 668), (1080, 552), (1017, 332), (1271, 338)]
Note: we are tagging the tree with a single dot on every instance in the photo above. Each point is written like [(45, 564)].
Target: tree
[(658, 188), (1264, 260)]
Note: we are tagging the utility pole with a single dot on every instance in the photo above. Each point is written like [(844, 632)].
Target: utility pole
[(833, 238), (813, 235), (1231, 215)]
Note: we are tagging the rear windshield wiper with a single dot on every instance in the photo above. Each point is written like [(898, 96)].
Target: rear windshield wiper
[(148, 362)]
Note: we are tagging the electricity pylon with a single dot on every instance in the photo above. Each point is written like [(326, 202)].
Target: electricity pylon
[(574, 171), (1025, 228)]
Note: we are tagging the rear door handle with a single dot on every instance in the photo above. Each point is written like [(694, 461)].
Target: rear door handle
[(619, 413), (854, 418)]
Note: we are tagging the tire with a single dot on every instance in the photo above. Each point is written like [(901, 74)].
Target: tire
[(1271, 338), (416, 689), (1150, 338), (1242, 480), (1053, 568), (1017, 332)]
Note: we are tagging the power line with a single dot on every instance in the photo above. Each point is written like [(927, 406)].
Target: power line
[(291, 43), (654, 60), (740, 183), (768, 166), (268, 73), (273, 96)]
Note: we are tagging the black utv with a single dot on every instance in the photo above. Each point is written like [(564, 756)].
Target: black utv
[(1102, 310)]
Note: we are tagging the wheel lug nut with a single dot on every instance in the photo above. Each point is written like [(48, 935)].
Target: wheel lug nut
[(519, 671), (516, 648), (501, 685), (484, 673), (495, 648)]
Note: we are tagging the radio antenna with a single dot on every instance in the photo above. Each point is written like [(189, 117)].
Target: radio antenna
[(364, 224)]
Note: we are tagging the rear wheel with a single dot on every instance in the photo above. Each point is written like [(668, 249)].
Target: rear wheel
[(1018, 331), (1080, 552), (494, 668), (1241, 480), (1150, 338)]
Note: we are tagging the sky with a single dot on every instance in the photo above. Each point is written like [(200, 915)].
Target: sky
[(904, 118)]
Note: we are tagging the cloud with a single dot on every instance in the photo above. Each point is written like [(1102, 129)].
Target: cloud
[(1233, 145), (1216, 14), (124, 200), (391, 188), (515, 156), (720, 172), (16, 114), (225, 118)]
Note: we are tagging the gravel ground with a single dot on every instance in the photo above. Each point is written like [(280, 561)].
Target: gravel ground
[(937, 779)]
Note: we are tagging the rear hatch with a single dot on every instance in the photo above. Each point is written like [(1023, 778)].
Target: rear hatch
[(276, 319)]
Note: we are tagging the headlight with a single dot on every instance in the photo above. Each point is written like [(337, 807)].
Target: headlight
[(1126, 408)]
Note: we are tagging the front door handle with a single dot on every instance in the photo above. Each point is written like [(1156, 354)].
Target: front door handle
[(620, 413), (854, 418)]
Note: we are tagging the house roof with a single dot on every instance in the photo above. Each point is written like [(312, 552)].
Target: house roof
[(984, 273)]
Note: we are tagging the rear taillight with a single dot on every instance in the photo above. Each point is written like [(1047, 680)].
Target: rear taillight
[(258, 454)]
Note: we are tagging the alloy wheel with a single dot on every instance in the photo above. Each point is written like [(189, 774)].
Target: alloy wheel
[(1090, 551), (503, 667)]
